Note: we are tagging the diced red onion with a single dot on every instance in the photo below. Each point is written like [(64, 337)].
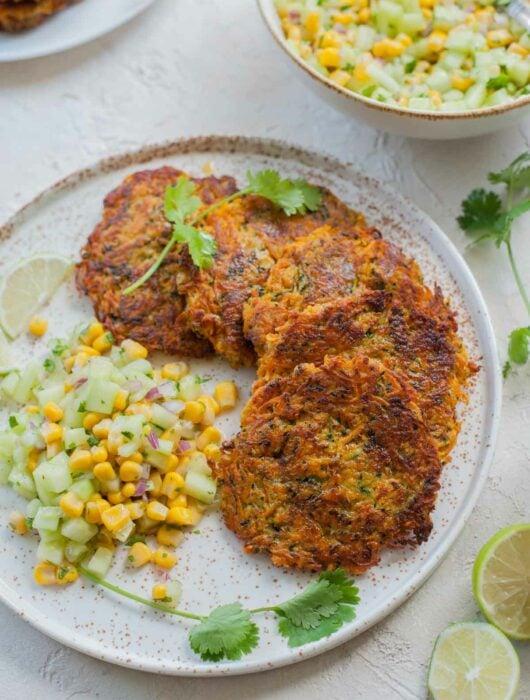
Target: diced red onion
[(174, 406), (133, 385), (184, 445), (80, 382), (294, 15), (153, 394), (340, 28), (141, 488), (153, 440)]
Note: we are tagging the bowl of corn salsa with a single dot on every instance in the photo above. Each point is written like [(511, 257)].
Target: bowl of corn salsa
[(425, 68)]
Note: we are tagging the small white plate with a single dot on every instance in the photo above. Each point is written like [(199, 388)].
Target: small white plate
[(212, 566), (71, 27)]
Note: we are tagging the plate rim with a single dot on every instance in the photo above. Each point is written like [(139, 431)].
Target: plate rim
[(69, 44), (481, 319)]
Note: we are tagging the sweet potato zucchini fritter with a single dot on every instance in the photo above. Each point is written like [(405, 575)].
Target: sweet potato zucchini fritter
[(333, 463), (129, 238), (15, 16)]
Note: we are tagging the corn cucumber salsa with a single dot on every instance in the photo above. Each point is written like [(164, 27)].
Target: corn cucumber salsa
[(418, 54), (109, 450)]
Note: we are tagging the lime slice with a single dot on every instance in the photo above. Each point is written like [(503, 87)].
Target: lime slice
[(473, 661), (501, 581), (26, 287), (5, 354)]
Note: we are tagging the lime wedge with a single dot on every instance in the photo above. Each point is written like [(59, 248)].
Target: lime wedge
[(501, 581), (27, 287), (5, 354), (473, 661)]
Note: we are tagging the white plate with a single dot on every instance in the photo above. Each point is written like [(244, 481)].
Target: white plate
[(212, 566), (71, 27)]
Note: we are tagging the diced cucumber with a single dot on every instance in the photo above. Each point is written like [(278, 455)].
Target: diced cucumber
[(460, 40), (9, 384), (74, 551), (439, 80), (32, 508), (190, 387), (365, 37), (519, 72), (100, 368), (422, 103), (54, 474), (476, 95), (499, 97), (100, 562), (132, 426), (454, 106), (452, 60), (156, 459), (52, 394), (73, 405), (411, 23), (161, 417), (78, 530), (47, 518), (5, 470), (51, 549), (198, 463), (125, 532), (137, 367), (200, 486), (101, 395), (387, 17), (378, 74), (7, 444), (75, 437), (84, 488), (174, 592), (26, 383), (445, 18), (22, 482)]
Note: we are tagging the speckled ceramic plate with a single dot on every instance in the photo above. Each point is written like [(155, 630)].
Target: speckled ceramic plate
[(72, 27), (212, 566)]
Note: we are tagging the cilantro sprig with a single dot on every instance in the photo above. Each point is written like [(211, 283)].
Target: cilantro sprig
[(488, 216), (229, 632), (182, 207)]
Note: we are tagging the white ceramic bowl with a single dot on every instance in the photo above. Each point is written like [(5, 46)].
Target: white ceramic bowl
[(398, 120)]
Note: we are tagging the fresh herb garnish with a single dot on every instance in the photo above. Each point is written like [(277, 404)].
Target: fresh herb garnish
[(59, 347), (181, 205), (229, 632), (127, 434), (13, 422), (92, 441), (82, 407), (49, 364), (486, 216)]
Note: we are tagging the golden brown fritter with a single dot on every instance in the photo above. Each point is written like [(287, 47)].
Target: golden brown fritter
[(128, 239), (250, 233), (15, 16), (416, 339), (327, 264), (333, 463)]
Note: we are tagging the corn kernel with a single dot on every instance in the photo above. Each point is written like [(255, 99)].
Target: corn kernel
[(175, 370), (404, 39), (81, 460), (196, 512), (156, 511), (18, 524), (169, 536), (436, 41), (53, 449), (105, 539), (180, 500), (128, 490), (427, 3), (331, 40), (130, 471), (86, 350), (294, 33), (45, 574), (103, 342), (436, 97), (136, 509), (92, 513), (212, 452), (174, 434), (104, 471), (68, 363), (194, 411), (51, 432), (91, 419), (208, 436), (312, 23), (80, 359), (139, 409), (225, 393), (139, 555), (38, 326), (343, 18), (67, 574), (99, 454), (115, 517), (518, 49), (340, 77), (179, 516), (33, 460), (101, 430), (387, 48), (72, 505), (172, 462), (93, 331), (427, 13), (461, 83), (134, 350), (32, 409), (364, 15), (102, 505), (159, 591), (53, 412), (156, 480), (172, 484), (162, 557), (137, 457), (121, 400), (115, 497), (499, 37), (329, 58)]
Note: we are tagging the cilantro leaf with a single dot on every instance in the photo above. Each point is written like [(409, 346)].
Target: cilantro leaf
[(516, 175), (180, 201), (227, 633), (518, 345), (321, 609), (496, 83), (293, 196), (201, 245), (503, 225), (480, 211)]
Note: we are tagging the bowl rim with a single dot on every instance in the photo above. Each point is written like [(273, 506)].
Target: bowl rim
[(427, 115)]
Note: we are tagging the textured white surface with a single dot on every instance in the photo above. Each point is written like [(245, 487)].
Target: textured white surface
[(187, 68)]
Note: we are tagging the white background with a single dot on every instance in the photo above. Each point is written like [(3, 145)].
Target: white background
[(190, 67)]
